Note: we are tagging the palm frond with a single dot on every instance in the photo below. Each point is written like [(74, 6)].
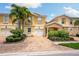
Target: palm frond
[(14, 21)]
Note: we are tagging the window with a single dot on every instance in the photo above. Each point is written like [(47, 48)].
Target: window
[(70, 21), (30, 20), (29, 29), (5, 19), (63, 20), (39, 20)]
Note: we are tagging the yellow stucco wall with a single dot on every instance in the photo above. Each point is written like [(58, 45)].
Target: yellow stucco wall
[(1, 19), (59, 21), (33, 25), (9, 24)]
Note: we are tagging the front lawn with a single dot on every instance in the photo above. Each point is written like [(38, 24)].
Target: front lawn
[(71, 45)]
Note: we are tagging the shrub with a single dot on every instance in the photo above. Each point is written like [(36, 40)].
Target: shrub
[(59, 35), (23, 36), (17, 36), (71, 38), (9, 39), (17, 32)]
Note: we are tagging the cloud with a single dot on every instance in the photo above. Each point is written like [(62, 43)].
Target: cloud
[(8, 7), (71, 12), (50, 17), (30, 5)]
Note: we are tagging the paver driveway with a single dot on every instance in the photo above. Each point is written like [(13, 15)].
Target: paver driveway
[(4, 34), (32, 44)]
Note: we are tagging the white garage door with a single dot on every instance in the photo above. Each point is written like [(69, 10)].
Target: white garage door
[(39, 32)]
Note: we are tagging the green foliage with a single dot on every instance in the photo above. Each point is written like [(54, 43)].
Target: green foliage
[(76, 22), (17, 36), (17, 32), (13, 39), (20, 14), (58, 35), (71, 45)]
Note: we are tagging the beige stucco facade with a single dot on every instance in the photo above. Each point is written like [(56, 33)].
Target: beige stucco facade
[(30, 28), (8, 24), (64, 22), (35, 27)]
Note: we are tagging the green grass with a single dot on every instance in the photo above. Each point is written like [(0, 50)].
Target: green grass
[(71, 45)]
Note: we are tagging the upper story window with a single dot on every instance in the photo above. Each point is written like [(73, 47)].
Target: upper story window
[(39, 20), (30, 20), (70, 21), (5, 19), (63, 20)]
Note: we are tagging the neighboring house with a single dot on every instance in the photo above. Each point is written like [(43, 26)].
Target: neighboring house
[(64, 22), (34, 26)]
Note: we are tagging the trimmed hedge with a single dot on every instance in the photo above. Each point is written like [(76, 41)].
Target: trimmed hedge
[(60, 35), (17, 36), (61, 39)]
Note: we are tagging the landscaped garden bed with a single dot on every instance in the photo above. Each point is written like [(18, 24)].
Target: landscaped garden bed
[(60, 35), (71, 45), (17, 35)]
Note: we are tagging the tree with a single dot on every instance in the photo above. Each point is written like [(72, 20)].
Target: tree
[(19, 14), (76, 23)]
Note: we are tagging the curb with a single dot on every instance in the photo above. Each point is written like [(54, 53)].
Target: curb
[(40, 53)]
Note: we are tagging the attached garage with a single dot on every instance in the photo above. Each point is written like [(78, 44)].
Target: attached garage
[(39, 31)]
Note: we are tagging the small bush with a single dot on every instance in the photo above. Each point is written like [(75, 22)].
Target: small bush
[(17, 36), (9, 39), (17, 32)]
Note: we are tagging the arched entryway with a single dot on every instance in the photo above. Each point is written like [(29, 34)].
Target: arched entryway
[(55, 26)]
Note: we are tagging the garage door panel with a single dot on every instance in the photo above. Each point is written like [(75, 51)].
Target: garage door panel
[(39, 32)]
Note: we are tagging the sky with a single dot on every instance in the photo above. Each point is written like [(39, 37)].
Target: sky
[(50, 10)]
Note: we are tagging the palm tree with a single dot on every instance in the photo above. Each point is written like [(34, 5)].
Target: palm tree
[(76, 23), (19, 14)]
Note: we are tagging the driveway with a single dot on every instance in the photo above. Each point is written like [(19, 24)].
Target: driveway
[(32, 44)]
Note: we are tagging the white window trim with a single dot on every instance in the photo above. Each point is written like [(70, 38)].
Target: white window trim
[(39, 20), (5, 19)]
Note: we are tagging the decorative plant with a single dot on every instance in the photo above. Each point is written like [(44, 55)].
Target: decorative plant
[(17, 35)]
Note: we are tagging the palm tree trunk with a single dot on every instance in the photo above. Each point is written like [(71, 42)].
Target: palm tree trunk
[(23, 25), (19, 24)]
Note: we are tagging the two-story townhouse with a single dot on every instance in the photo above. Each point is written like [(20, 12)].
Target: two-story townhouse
[(64, 22), (34, 26)]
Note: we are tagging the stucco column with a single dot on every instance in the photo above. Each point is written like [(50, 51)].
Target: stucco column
[(47, 32)]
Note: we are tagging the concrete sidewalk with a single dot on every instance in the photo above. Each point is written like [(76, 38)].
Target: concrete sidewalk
[(44, 53)]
